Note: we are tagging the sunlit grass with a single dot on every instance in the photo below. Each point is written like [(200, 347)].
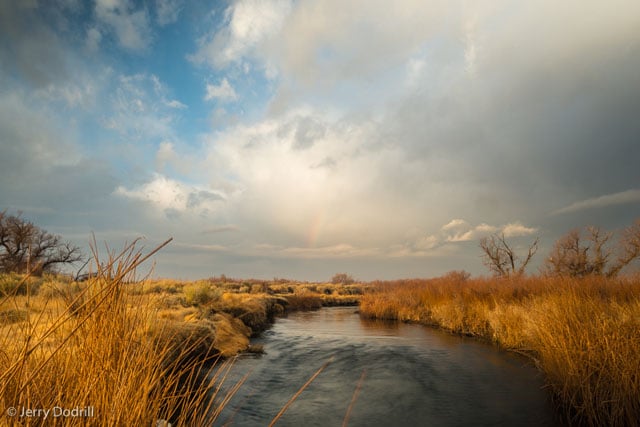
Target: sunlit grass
[(134, 352), (584, 334), (92, 348)]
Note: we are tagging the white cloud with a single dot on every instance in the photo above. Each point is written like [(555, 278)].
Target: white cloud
[(455, 224), (516, 229), (130, 26), (621, 198), (174, 103), (272, 167), (248, 24), (172, 196), (224, 92), (459, 231)]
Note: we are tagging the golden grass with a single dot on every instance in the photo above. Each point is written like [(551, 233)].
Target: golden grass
[(133, 352), (584, 334), (92, 348)]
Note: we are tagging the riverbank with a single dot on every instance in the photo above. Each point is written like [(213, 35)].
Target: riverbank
[(584, 334), (237, 310), (133, 351)]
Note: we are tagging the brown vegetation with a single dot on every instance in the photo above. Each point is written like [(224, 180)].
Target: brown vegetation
[(583, 333), (136, 352), (93, 346)]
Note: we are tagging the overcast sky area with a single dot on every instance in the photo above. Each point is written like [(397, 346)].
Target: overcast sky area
[(299, 139)]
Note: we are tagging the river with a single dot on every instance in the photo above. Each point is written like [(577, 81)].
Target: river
[(406, 375)]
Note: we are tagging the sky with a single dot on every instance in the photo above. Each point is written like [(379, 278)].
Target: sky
[(298, 139)]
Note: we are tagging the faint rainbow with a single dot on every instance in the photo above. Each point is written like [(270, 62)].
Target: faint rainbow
[(314, 229)]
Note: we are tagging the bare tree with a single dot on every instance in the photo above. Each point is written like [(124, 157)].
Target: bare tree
[(629, 248), (342, 279), (501, 258), (25, 246), (579, 254)]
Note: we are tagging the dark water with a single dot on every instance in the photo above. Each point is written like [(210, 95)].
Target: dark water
[(414, 376)]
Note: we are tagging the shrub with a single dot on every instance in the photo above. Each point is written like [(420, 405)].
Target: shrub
[(18, 284), (200, 294), (342, 278)]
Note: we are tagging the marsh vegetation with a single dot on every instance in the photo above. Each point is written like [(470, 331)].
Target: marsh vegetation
[(582, 332), (134, 351)]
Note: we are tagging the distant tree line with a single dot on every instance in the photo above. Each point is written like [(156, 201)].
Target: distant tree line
[(579, 253), (25, 247)]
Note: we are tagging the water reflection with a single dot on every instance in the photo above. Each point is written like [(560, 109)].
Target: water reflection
[(415, 376)]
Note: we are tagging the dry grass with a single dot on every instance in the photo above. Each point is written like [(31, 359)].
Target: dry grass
[(134, 352), (93, 347), (583, 334)]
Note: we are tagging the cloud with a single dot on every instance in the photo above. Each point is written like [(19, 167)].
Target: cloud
[(167, 11), (459, 231), (173, 197), (516, 229), (621, 198), (337, 251), (308, 131), (267, 170), (44, 167), (222, 229), (31, 136), (140, 108), (384, 125), (174, 103), (31, 47), (320, 44), (93, 39), (223, 92), (455, 224), (131, 27), (165, 154), (201, 247), (78, 93), (427, 243), (248, 23)]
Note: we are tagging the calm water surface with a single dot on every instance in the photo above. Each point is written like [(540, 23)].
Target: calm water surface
[(414, 376)]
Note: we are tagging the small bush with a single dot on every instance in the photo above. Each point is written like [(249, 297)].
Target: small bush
[(200, 294), (16, 284)]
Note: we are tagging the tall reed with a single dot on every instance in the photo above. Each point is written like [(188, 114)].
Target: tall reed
[(584, 334), (99, 351)]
